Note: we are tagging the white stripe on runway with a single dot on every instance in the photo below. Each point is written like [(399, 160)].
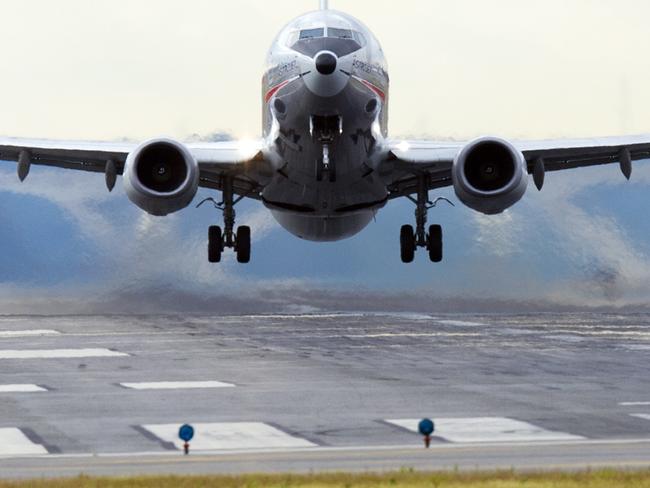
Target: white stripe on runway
[(460, 323), (14, 443), (21, 388), (176, 385), (645, 416), (487, 429), (634, 404), (230, 435), (59, 353), (8, 334)]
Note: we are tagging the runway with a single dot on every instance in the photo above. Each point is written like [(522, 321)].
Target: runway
[(106, 395)]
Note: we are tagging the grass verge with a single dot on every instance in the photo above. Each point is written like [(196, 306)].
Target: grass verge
[(402, 479)]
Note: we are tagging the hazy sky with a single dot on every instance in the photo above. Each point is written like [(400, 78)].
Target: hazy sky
[(137, 68), (112, 69)]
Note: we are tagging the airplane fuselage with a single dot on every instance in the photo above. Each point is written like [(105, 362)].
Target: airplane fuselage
[(325, 113)]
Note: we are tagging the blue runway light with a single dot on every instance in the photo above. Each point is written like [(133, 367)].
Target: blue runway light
[(186, 434), (426, 427)]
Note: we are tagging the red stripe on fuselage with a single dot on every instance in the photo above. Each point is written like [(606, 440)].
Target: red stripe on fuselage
[(275, 89), (374, 88)]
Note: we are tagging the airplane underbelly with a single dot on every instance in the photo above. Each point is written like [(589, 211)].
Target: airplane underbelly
[(321, 228), (325, 188), (325, 211)]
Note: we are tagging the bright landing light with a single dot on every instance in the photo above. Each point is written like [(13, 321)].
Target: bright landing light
[(247, 148), (403, 146)]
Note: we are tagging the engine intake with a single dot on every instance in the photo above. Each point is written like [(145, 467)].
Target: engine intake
[(490, 175), (161, 176)]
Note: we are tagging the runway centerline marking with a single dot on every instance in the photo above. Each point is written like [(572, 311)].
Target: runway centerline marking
[(486, 429), (176, 385), (229, 436), (13, 442), (644, 416), (58, 353), (634, 404), (21, 388), (9, 334)]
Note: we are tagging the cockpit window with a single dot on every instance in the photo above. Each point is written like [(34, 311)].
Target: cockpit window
[(339, 33), (360, 38), (312, 33), (339, 41)]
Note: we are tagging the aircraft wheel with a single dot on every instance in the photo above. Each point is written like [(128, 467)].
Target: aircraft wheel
[(434, 243), (407, 243), (215, 244), (243, 241)]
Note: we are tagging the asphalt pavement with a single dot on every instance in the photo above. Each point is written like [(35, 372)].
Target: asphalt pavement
[(322, 392)]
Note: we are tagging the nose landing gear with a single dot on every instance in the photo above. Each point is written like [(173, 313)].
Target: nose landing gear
[(218, 240), (411, 239), (326, 130)]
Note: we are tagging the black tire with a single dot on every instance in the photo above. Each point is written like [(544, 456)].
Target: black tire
[(434, 243), (243, 241), (215, 244), (407, 243)]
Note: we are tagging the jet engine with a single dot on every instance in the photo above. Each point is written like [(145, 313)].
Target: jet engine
[(490, 175), (161, 176)]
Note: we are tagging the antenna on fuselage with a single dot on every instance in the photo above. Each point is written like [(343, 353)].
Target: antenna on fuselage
[(324, 4)]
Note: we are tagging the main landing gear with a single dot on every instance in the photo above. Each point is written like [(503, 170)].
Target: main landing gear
[(411, 239), (218, 240)]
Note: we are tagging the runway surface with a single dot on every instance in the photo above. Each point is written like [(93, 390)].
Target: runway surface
[(106, 395)]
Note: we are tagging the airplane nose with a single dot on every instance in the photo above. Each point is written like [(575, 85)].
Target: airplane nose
[(326, 63)]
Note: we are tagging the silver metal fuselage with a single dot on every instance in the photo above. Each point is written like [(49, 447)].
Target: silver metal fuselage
[(325, 113)]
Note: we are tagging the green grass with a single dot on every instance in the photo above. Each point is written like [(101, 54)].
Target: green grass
[(406, 478)]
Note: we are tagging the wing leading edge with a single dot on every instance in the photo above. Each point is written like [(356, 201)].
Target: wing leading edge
[(407, 161), (404, 164), (216, 160)]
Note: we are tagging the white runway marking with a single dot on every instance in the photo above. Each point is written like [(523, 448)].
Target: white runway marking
[(634, 404), (14, 443), (460, 323), (230, 435), (8, 334), (21, 388), (59, 353), (176, 385), (410, 334), (645, 416), (487, 429)]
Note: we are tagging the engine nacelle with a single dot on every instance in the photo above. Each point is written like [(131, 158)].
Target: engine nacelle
[(490, 175), (161, 176)]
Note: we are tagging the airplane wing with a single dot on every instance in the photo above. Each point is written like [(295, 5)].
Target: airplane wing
[(408, 160), (215, 159)]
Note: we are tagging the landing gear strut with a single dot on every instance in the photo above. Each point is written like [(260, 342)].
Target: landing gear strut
[(411, 239), (326, 130), (218, 240)]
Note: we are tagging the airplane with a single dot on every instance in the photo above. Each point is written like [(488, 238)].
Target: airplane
[(325, 164)]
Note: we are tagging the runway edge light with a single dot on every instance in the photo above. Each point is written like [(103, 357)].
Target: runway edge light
[(186, 434), (426, 428)]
